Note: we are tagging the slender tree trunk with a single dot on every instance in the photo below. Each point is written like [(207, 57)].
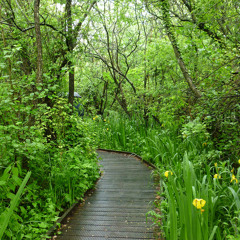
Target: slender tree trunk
[(103, 98), (122, 100), (75, 35), (173, 40), (70, 49), (5, 44), (146, 76), (38, 42)]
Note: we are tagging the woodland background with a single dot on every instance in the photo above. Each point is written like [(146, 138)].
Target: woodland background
[(159, 78)]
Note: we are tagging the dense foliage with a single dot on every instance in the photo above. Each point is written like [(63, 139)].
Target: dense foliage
[(51, 144), (198, 194), (159, 78), (48, 158), (168, 90)]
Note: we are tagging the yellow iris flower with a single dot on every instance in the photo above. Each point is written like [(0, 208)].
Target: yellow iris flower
[(234, 179), (217, 176), (167, 173), (199, 203)]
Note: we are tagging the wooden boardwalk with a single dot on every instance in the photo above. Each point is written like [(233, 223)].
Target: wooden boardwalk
[(117, 208)]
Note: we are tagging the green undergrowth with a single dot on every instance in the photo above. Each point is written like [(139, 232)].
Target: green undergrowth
[(199, 187), (52, 145)]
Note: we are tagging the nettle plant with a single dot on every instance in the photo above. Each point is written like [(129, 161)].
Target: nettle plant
[(195, 131), (198, 143), (38, 131)]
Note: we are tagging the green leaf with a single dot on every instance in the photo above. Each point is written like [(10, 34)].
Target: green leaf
[(2, 183), (236, 198), (43, 225), (13, 204), (11, 195), (213, 232)]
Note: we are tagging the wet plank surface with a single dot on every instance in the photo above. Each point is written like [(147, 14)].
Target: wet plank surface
[(117, 208)]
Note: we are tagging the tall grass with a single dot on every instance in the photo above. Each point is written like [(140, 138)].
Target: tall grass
[(184, 220), (199, 172)]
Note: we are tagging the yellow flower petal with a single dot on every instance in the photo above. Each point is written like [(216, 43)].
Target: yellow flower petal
[(195, 202), (234, 179), (202, 202), (167, 173), (217, 176), (199, 203)]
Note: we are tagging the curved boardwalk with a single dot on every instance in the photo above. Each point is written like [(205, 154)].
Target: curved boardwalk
[(117, 208)]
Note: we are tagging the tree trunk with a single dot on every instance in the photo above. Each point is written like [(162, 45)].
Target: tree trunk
[(38, 42), (122, 100), (70, 49), (173, 40), (5, 45)]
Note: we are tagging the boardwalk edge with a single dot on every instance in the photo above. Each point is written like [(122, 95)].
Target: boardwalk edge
[(128, 153)]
